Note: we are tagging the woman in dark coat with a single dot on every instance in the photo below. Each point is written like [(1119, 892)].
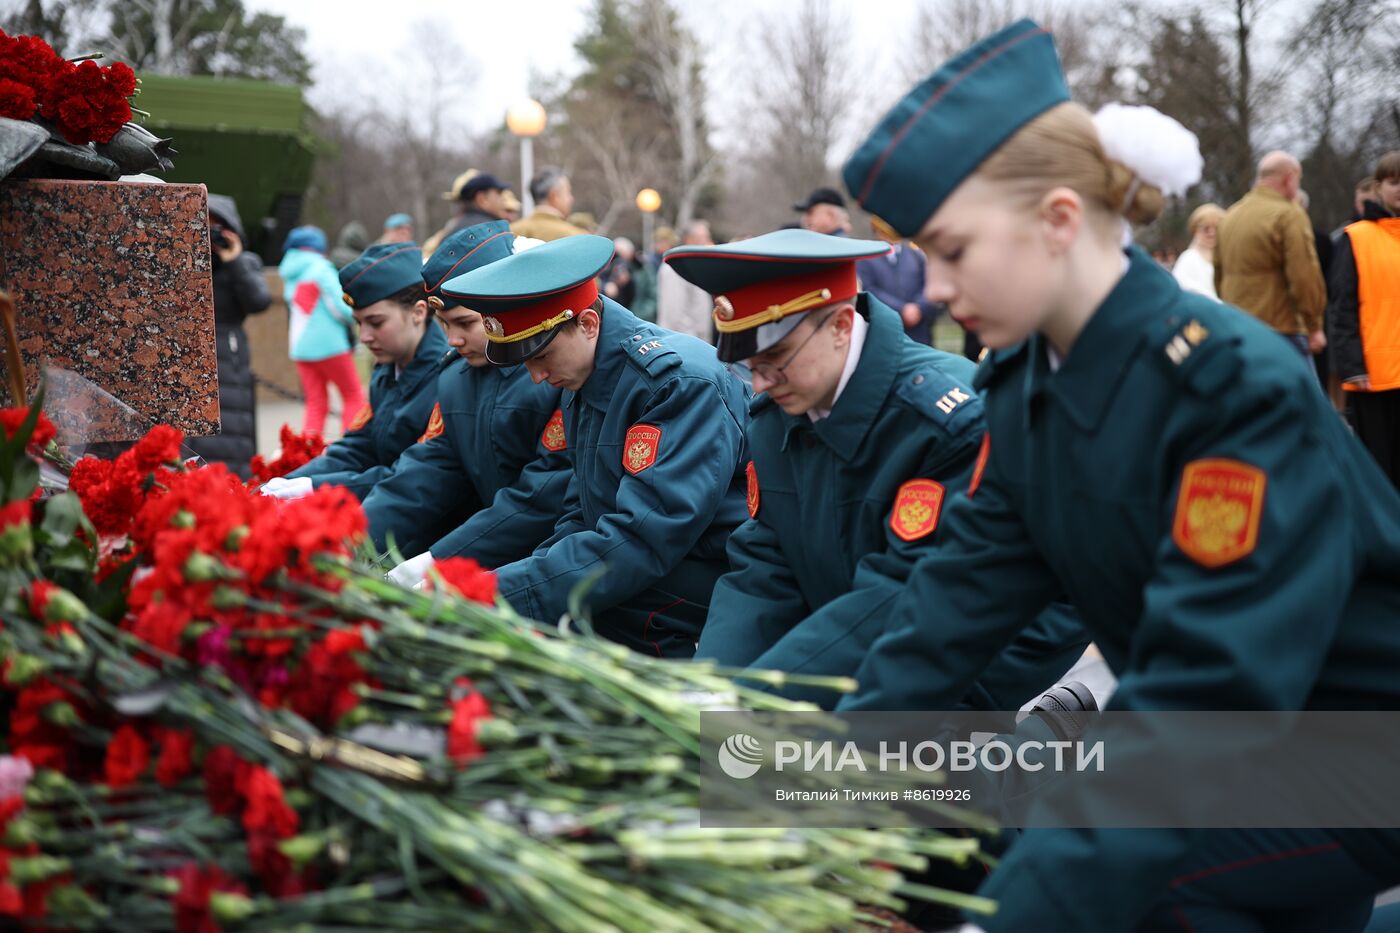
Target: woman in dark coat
[(239, 290)]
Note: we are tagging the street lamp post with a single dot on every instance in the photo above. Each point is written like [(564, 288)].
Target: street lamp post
[(648, 202), (526, 119)]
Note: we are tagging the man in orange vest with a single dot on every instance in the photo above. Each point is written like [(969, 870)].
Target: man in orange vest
[(1364, 318)]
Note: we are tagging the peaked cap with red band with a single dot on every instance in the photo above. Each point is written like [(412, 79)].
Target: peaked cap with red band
[(947, 126), (524, 298), (763, 286)]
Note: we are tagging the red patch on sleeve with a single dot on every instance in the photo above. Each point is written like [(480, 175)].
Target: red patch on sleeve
[(363, 418), (981, 466), (753, 490), (1218, 511), (435, 425), (552, 439), (916, 509), (639, 449)]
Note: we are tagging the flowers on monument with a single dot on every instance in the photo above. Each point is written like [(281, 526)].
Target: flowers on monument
[(86, 102), (89, 102), (11, 420), (297, 451), (28, 67)]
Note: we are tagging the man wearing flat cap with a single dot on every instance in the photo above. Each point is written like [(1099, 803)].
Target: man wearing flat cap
[(824, 211), (477, 198), (654, 427), (857, 437)]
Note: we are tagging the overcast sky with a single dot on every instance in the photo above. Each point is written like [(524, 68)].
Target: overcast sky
[(512, 40)]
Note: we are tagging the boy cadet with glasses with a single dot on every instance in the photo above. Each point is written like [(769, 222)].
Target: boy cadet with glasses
[(655, 429), (858, 436)]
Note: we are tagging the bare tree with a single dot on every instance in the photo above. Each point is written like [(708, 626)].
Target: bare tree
[(806, 96), (618, 142), (675, 68), (1346, 50), (1090, 51), (422, 128)]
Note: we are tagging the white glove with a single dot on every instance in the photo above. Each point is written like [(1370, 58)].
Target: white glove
[(411, 573), (279, 487)]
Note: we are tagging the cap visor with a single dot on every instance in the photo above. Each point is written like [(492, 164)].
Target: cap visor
[(517, 352), (740, 345)]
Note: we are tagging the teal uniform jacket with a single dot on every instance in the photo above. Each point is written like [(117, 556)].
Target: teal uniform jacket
[(1227, 542), (832, 537), (491, 485), (656, 439), (399, 411)]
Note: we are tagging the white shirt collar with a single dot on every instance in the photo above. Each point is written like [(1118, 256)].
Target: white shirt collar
[(858, 330)]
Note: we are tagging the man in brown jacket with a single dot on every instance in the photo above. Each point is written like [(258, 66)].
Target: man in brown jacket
[(554, 199), (1265, 259)]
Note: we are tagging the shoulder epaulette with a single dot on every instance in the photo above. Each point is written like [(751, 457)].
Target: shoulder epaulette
[(948, 402), (1201, 356), (650, 353)]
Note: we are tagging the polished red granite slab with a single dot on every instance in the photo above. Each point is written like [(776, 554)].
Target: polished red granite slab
[(111, 281)]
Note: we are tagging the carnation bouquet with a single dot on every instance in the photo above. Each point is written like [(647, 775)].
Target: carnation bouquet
[(217, 714), (73, 116)]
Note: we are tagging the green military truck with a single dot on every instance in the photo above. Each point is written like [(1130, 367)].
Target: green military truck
[(250, 140)]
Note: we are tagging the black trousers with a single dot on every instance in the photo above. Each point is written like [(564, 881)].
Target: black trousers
[(1376, 418)]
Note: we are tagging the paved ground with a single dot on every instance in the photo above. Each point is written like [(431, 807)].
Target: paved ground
[(272, 415)]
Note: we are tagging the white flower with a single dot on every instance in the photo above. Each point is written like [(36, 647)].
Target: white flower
[(1158, 149)]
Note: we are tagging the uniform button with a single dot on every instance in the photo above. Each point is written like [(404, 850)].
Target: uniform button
[(636, 336), (918, 380)]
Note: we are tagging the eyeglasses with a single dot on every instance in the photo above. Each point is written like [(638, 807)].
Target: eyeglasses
[(777, 375)]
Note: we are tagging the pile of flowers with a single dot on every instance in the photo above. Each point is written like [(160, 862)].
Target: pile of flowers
[(213, 713), (84, 101), (297, 450)]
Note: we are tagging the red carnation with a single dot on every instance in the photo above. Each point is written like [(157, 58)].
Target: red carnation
[(17, 101), (472, 709), (345, 640), (192, 912), (176, 751), (267, 809), (297, 451), (14, 514), (321, 692), (160, 447), (11, 901), (127, 757), (39, 593), (12, 418), (468, 578), (221, 779), (88, 103)]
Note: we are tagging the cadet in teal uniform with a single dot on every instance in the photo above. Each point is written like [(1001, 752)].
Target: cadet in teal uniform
[(1158, 456), (857, 438), (384, 289), (655, 431), (492, 462)]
